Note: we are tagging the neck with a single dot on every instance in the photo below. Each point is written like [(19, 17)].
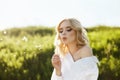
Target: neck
[(72, 48)]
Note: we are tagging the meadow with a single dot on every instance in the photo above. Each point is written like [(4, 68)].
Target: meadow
[(25, 53)]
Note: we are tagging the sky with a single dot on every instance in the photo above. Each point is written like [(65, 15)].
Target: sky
[(22, 13)]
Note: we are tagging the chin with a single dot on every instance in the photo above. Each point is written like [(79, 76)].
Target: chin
[(65, 42)]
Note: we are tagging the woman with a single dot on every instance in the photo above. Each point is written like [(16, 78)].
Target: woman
[(73, 58)]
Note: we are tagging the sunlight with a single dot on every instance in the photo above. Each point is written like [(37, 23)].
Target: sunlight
[(18, 13)]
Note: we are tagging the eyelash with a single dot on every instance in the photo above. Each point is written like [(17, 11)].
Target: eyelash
[(67, 30)]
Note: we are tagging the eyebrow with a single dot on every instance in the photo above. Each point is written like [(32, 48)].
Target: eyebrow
[(66, 27)]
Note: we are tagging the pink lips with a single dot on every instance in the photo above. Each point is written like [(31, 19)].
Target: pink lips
[(64, 38)]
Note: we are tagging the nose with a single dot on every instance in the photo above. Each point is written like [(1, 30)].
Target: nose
[(64, 33)]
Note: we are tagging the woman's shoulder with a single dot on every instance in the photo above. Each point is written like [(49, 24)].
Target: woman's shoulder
[(86, 51)]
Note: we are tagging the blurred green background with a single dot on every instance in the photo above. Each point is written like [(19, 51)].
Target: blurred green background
[(25, 53)]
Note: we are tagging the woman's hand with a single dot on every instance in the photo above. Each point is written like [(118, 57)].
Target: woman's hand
[(56, 62)]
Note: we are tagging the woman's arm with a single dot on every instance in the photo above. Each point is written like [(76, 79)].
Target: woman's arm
[(91, 74), (55, 77), (91, 71), (56, 62)]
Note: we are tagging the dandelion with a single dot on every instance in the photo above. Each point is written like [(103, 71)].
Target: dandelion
[(4, 32), (1, 39), (39, 47), (25, 39)]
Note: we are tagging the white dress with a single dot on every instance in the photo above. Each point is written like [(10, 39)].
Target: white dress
[(82, 69)]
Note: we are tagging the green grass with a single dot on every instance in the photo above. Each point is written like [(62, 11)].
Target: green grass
[(25, 53)]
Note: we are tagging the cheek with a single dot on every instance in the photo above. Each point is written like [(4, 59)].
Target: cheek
[(60, 35), (72, 35)]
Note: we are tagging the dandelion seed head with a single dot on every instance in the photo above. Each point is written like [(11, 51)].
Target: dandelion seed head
[(25, 39), (4, 32), (39, 47), (1, 39)]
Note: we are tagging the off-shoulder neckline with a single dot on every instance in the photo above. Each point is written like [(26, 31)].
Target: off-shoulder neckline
[(84, 58)]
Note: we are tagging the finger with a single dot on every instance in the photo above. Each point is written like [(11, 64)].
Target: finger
[(56, 59), (56, 55)]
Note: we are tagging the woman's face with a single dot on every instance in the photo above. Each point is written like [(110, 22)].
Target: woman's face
[(67, 34)]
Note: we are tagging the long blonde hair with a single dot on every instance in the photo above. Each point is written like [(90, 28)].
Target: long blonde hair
[(81, 35)]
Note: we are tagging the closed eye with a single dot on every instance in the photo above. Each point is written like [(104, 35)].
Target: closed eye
[(60, 31), (69, 30)]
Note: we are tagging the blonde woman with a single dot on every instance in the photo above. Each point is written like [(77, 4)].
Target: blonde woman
[(73, 58)]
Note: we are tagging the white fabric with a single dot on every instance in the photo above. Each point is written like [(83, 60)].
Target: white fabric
[(82, 69)]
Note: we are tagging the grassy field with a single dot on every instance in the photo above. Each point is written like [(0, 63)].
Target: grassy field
[(25, 53)]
